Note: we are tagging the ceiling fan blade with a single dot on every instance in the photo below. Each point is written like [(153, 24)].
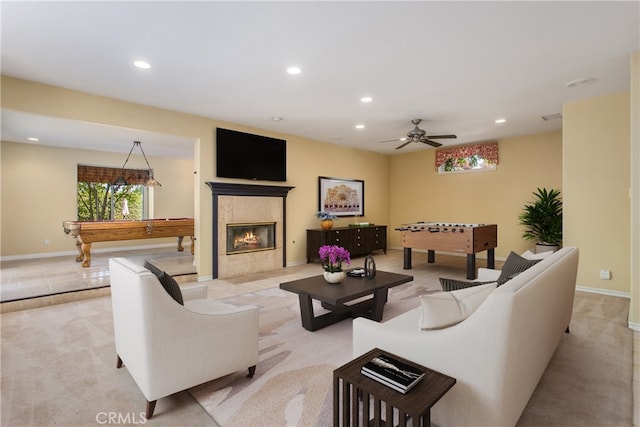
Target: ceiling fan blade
[(406, 143), (441, 136), (390, 140), (431, 143)]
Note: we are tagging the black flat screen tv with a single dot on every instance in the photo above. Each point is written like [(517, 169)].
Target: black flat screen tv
[(246, 156)]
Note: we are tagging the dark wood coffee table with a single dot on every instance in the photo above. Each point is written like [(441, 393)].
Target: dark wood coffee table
[(354, 394), (336, 298)]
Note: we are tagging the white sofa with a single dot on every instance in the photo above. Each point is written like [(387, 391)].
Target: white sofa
[(168, 347), (498, 353)]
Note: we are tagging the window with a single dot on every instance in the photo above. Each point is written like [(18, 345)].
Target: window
[(468, 158), (99, 199)]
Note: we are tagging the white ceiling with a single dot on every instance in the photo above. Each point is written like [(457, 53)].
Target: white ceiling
[(456, 65)]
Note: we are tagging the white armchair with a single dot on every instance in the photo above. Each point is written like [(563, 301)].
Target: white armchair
[(168, 347)]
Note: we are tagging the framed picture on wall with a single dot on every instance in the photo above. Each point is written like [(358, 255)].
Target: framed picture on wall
[(341, 197)]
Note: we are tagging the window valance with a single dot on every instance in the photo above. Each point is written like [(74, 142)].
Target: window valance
[(109, 175), (487, 150)]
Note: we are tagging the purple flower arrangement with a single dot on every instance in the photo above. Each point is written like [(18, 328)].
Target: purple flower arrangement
[(332, 257)]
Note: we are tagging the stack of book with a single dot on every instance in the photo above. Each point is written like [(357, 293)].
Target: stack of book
[(392, 373)]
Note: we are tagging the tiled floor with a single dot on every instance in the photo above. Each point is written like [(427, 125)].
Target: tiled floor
[(45, 281)]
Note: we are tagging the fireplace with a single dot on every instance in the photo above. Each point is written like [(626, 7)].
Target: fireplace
[(243, 238), (247, 206)]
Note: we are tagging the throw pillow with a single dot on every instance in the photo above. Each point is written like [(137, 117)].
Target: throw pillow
[(171, 286), (514, 265), (439, 310), (453, 284), (471, 298), (443, 309), (152, 268)]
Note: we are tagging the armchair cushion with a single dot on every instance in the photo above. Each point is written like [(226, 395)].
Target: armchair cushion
[(171, 286), (443, 309)]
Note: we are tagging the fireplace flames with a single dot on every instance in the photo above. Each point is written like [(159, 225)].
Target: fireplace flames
[(246, 240), (243, 238)]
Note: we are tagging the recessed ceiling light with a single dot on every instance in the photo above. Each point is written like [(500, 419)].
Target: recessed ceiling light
[(360, 126), (31, 138), (294, 70), (276, 119), (498, 121), (143, 65), (580, 82), (366, 99)]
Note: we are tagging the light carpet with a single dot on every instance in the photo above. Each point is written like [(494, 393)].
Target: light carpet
[(587, 382), (293, 381)]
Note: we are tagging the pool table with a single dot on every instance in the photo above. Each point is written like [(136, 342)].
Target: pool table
[(87, 232)]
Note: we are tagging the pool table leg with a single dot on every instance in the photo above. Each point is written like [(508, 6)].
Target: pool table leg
[(86, 251), (180, 248), (80, 256)]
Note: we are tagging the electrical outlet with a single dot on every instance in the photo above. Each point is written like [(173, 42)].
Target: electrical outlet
[(605, 274), (46, 242)]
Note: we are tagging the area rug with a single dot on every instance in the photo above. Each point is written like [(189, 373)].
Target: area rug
[(293, 381)]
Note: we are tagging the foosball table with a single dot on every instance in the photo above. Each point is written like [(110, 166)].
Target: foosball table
[(450, 237)]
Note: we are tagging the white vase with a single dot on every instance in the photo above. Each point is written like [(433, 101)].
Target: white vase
[(336, 277)]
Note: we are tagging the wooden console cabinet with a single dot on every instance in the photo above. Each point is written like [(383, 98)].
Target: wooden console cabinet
[(357, 240)]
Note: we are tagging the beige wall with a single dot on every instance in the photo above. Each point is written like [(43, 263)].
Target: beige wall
[(306, 160), (419, 193), (34, 209), (596, 182), (398, 189)]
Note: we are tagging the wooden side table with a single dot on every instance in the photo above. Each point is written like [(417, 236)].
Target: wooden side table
[(355, 396)]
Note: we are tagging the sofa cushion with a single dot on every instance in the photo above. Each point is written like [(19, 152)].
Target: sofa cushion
[(171, 286), (514, 265), (443, 309), (530, 255), (454, 284)]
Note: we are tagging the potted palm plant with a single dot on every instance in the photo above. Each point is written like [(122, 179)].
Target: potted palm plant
[(543, 220)]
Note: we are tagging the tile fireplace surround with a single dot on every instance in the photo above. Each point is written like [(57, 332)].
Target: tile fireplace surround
[(245, 203)]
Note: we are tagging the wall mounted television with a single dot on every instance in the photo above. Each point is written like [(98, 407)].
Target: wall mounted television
[(246, 156)]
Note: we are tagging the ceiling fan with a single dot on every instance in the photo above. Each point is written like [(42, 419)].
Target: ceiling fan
[(418, 135)]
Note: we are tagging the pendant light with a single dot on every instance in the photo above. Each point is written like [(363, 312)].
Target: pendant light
[(151, 182)]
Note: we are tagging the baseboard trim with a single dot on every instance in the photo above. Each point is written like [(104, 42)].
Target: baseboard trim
[(608, 292)]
